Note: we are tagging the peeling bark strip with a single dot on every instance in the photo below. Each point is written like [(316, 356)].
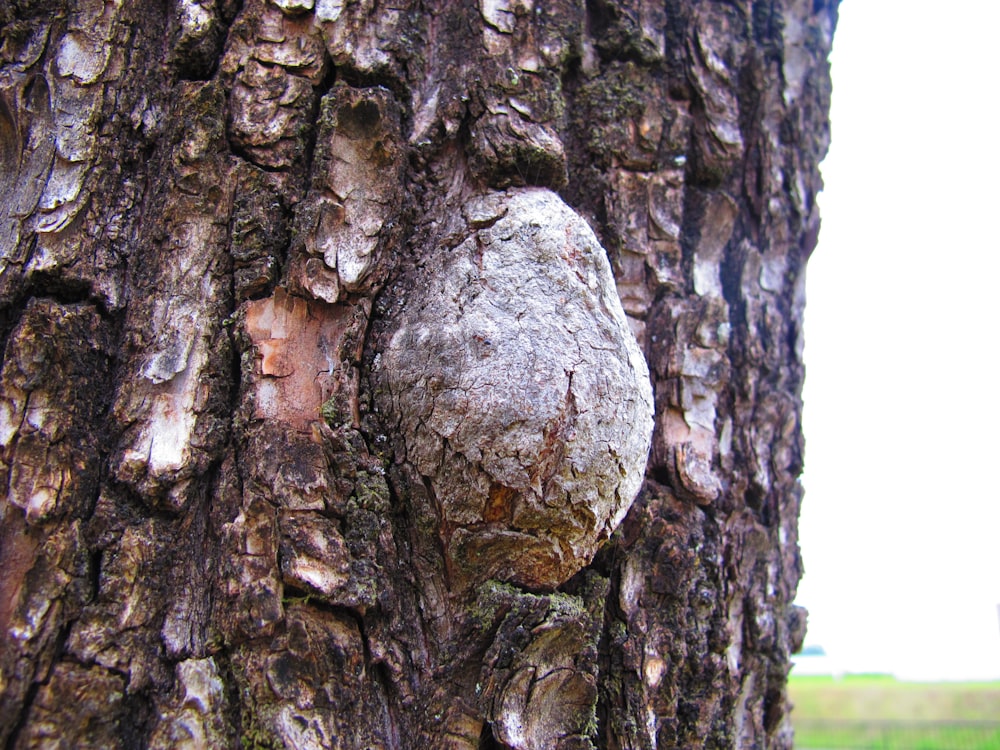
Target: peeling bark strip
[(411, 376)]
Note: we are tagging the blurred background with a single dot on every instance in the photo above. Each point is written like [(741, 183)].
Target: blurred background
[(900, 527)]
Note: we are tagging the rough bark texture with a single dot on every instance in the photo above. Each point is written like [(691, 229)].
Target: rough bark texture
[(319, 413)]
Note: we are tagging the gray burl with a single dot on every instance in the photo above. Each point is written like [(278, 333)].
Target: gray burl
[(519, 390)]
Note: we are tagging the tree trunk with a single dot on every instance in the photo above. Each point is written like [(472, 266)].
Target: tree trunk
[(339, 338)]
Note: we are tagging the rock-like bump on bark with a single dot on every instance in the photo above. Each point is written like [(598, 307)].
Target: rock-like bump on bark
[(519, 391)]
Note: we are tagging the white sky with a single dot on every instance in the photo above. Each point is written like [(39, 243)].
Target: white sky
[(900, 527)]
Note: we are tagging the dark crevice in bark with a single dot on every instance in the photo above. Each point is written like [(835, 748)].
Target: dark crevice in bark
[(731, 276), (194, 75), (11, 311), (774, 708), (243, 154), (235, 397), (133, 506), (755, 182), (94, 552), (756, 500), (661, 475), (194, 57), (385, 79), (330, 77), (25, 11), (691, 228), (233, 714), (385, 683), (486, 740), (139, 714), (677, 33), (57, 651), (11, 148), (22, 719), (586, 184), (293, 593), (768, 25), (48, 286), (615, 34), (607, 674), (95, 562)]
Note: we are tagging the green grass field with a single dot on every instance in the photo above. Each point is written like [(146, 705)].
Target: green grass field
[(878, 711)]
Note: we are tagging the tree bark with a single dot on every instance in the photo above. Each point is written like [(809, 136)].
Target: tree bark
[(340, 336)]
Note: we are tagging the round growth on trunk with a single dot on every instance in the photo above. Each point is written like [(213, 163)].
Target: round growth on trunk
[(518, 390)]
